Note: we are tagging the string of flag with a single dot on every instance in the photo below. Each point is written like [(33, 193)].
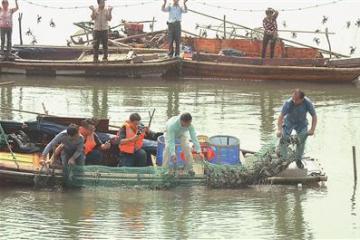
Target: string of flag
[(87, 6), (262, 10)]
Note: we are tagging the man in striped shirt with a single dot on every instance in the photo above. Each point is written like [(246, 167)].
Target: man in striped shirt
[(270, 31)]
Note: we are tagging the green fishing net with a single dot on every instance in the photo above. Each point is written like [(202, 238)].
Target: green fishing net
[(257, 168), (144, 177)]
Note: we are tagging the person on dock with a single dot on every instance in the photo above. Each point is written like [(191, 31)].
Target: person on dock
[(92, 142), (179, 127), (270, 31), (174, 25), (101, 17), (69, 144), (6, 25), (131, 139), (293, 117)]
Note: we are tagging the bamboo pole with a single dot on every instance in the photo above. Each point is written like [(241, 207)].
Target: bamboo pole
[(224, 26), (139, 36), (328, 40), (40, 114), (290, 31), (354, 163), (254, 30), (20, 28), (7, 83), (190, 33)]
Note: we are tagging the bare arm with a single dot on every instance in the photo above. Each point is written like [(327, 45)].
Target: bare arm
[(93, 12), (276, 14), (313, 125), (280, 121), (16, 7), (163, 8), (280, 125), (185, 6), (109, 16)]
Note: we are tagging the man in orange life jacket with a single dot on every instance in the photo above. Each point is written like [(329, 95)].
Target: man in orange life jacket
[(131, 136), (92, 143)]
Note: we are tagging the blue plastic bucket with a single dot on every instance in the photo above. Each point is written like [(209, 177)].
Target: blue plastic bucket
[(226, 148), (160, 153)]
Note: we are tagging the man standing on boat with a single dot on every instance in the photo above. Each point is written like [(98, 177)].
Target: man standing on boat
[(101, 16), (6, 24), (293, 117), (174, 25), (69, 144), (179, 127), (92, 142), (270, 31)]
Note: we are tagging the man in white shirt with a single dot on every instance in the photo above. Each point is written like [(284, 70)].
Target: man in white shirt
[(174, 24), (101, 16)]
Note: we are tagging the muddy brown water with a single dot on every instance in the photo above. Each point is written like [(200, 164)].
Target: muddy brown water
[(247, 110)]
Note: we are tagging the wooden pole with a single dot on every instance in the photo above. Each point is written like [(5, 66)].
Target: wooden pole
[(20, 28), (152, 24), (328, 40), (354, 163), (254, 30), (288, 31), (224, 26)]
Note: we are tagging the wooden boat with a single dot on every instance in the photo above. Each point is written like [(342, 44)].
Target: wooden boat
[(289, 64), (77, 61), (27, 170)]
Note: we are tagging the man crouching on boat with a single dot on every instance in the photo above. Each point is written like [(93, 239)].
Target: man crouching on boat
[(177, 128), (131, 137), (69, 145), (92, 142), (293, 117)]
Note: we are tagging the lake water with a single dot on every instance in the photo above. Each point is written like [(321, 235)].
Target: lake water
[(247, 110)]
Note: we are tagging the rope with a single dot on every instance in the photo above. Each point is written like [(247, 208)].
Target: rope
[(262, 10), (3, 135), (87, 6)]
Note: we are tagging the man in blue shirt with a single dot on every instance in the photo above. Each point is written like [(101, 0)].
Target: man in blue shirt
[(293, 117), (174, 25), (178, 128)]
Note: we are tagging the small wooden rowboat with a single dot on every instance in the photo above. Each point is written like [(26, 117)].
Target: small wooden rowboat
[(27, 170)]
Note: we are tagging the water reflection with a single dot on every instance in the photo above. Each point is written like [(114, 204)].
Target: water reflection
[(246, 110)]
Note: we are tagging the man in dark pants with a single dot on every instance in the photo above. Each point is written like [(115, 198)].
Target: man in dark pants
[(270, 31), (6, 24), (174, 25), (101, 16)]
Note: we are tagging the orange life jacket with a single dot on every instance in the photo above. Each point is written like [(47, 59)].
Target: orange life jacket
[(130, 147), (89, 141)]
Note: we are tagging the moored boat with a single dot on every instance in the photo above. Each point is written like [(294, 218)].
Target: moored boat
[(77, 61), (24, 167)]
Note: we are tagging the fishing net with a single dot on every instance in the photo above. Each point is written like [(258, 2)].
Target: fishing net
[(258, 167), (141, 177)]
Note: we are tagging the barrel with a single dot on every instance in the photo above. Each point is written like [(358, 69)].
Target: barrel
[(226, 148), (160, 152)]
